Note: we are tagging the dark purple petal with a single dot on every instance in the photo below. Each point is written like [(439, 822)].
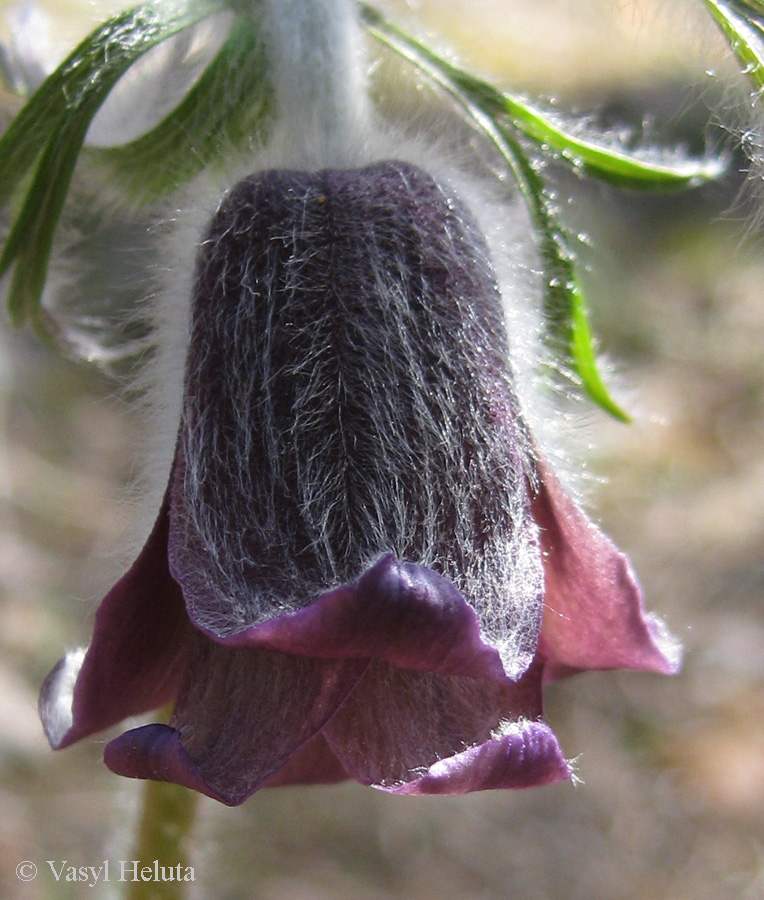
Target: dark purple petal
[(527, 755), (397, 724), (404, 614), (594, 615), (240, 716), (156, 752), (135, 661)]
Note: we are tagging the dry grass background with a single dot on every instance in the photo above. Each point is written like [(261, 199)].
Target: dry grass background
[(672, 805)]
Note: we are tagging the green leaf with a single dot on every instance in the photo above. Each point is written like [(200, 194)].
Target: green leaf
[(742, 25), (225, 108), (614, 164), (564, 305), (583, 153), (55, 121), (585, 358), (31, 239)]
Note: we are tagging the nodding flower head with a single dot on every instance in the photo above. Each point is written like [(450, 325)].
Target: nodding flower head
[(363, 566)]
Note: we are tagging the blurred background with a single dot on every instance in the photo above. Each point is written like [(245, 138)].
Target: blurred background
[(672, 801)]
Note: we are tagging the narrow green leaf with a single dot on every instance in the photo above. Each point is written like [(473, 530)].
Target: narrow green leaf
[(89, 72), (225, 108), (31, 239), (565, 306), (583, 153), (22, 141), (585, 358), (744, 32), (57, 118), (614, 164)]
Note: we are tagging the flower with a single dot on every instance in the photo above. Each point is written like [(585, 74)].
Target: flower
[(363, 567)]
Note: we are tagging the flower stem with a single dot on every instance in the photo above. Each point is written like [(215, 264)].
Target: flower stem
[(167, 820)]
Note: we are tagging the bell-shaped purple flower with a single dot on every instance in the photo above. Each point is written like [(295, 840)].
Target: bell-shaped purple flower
[(362, 567)]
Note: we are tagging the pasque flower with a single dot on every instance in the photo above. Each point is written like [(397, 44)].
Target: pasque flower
[(363, 566)]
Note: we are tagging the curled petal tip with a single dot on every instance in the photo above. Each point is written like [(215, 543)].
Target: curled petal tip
[(523, 754), (594, 615), (668, 649), (57, 698), (155, 752)]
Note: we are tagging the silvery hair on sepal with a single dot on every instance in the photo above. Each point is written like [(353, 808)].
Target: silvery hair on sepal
[(347, 386)]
